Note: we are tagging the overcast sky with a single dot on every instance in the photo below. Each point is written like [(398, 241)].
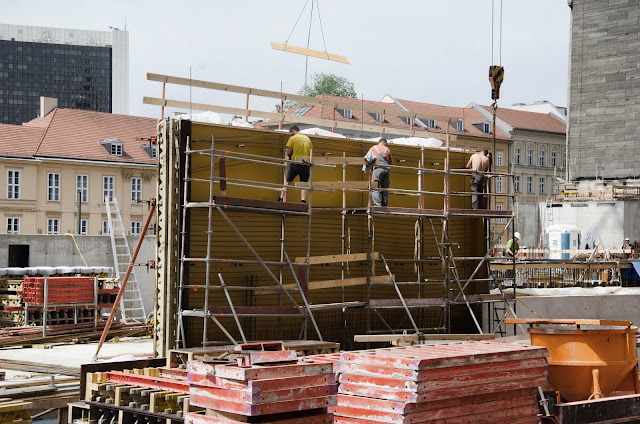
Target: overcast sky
[(434, 51)]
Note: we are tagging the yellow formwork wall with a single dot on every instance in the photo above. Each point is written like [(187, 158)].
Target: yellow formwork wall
[(393, 236)]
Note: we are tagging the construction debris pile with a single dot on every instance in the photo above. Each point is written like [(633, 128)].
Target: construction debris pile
[(473, 382)]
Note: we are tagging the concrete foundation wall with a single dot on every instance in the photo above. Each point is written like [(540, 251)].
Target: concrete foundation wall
[(609, 221), (614, 307), (60, 250)]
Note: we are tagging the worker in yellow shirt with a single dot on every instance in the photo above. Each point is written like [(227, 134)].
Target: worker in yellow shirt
[(298, 147)]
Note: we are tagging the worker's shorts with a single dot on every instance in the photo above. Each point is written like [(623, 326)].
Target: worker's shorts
[(298, 169)]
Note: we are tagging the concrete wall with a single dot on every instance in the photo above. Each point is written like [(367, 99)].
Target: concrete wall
[(614, 307), (528, 224), (609, 221), (59, 250), (604, 88)]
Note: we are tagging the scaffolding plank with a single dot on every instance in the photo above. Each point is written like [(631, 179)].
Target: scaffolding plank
[(255, 310), (309, 52), (337, 185), (330, 259), (339, 160), (397, 303), (225, 201), (329, 284)]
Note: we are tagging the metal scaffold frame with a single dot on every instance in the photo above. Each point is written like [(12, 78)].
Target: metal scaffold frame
[(453, 284)]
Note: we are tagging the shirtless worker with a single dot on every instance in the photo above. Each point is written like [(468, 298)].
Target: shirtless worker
[(478, 162), (298, 146)]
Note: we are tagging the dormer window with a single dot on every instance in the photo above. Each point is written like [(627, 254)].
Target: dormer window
[(486, 127), (430, 123), (460, 125), (114, 146), (301, 111), (347, 113), (377, 116), (116, 149), (406, 120)]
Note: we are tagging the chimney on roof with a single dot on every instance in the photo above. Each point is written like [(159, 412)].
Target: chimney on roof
[(47, 104)]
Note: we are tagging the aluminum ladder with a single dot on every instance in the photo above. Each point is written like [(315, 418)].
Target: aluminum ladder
[(131, 303)]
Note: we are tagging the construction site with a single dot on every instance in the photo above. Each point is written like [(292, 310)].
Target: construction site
[(238, 293)]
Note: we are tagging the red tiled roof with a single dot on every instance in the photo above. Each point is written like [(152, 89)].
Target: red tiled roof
[(19, 141), (76, 134), (469, 115), (532, 121)]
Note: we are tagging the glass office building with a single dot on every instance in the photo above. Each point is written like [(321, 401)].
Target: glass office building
[(82, 69)]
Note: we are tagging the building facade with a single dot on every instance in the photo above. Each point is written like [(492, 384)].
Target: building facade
[(50, 163), (604, 89), (83, 69)]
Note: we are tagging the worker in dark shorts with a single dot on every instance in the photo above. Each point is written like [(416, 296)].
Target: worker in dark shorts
[(299, 147)]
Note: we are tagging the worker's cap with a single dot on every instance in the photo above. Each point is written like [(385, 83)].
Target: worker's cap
[(626, 238), (516, 235)]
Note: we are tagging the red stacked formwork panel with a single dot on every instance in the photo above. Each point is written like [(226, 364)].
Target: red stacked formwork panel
[(470, 382), (61, 290), (271, 391)]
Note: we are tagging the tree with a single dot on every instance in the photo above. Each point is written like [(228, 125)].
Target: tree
[(325, 84)]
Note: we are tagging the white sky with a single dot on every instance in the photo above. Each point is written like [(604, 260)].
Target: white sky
[(434, 51)]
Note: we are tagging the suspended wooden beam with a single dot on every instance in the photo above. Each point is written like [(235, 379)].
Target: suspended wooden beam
[(298, 119), (355, 105), (309, 52)]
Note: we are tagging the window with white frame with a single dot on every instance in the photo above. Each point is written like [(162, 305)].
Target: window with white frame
[(136, 227), (53, 225), (84, 224), (486, 128), (82, 187), (347, 113), (105, 227), (53, 187), (499, 241), (13, 184), (13, 225), (564, 160), (529, 185), (541, 185), (108, 187), (460, 125), (516, 184), (499, 185), (517, 156), (499, 159), (116, 149), (541, 161), (136, 190), (430, 123), (553, 160), (529, 157), (498, 220)]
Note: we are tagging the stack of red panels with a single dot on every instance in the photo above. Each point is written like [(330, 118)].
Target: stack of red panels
[(61, 290), (270, 391), (470, 382)]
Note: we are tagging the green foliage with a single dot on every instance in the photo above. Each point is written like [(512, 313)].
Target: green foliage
[(325, 84)]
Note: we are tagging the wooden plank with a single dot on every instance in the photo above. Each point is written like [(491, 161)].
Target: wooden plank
[(309, 52), (299, 119), (391, 111), (555, 264), (363, 338), (337, 185), (328, 284), (533, 321), (329, 259), (337, 160)]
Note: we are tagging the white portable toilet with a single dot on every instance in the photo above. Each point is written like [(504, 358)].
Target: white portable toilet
[(562, 237)]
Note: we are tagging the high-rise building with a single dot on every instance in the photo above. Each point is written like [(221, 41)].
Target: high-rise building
[(83, 69)]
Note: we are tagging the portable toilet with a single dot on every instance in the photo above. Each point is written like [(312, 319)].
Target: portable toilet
[(562, 237)]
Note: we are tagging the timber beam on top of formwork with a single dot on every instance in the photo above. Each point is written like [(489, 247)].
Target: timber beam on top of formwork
[(296, 98)]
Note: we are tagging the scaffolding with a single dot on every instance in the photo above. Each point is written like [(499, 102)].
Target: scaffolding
[(414, 308)]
